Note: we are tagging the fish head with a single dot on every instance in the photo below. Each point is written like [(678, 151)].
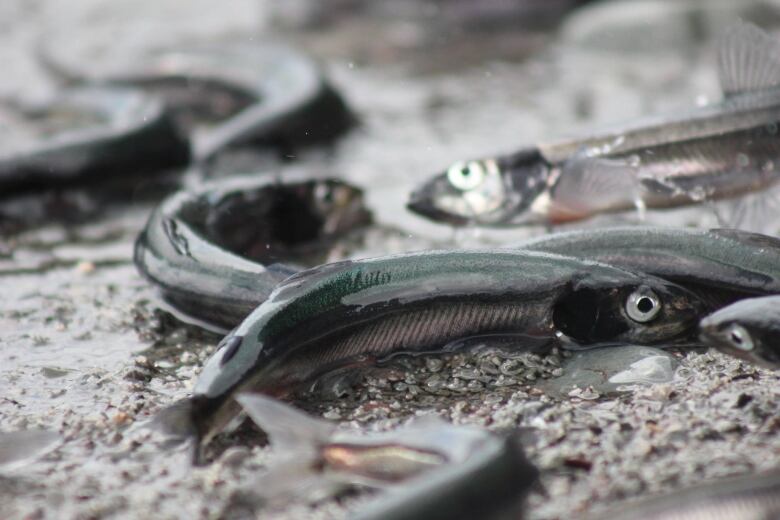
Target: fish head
[(341, 206), (646, 311), (748, 329), (489, 192)]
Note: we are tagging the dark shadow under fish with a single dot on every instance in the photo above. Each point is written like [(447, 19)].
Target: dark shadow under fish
[(748, 329), (217, 252), (717, 151), (90, 135), (265, 94), (357, 312)]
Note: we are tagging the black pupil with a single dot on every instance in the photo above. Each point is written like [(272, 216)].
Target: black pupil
[(736, 338), (644, 305), (466, 171)]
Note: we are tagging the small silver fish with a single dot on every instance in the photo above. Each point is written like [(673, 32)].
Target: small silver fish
[(269, 94), (314, 460), (718, 151), (749, 497), (748, 329)]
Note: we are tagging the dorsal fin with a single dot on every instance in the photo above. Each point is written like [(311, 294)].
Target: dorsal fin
[(748, 59)]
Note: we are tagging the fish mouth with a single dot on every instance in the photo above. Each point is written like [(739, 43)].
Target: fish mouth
[(421, 202), (712, 336)]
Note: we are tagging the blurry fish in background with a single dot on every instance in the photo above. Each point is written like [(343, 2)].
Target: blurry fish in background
[(265, 94), (430, 36), (631, 29), (23, 447), (85, 136), (717, 151), (748, 497), (487, 13), (748, 329), (426, 459)]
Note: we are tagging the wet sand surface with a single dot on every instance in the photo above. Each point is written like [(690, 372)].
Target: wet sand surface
[(86, 351)]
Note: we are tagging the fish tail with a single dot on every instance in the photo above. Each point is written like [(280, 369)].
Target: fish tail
[(289, 430), (293, 471), (177, 421)]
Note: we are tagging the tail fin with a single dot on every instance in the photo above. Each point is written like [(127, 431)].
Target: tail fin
[(175, 420), (22, 447), (288, 429), (293, 473)]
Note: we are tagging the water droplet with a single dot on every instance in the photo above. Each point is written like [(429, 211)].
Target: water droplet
[(698, 193), (771, 128), (743, 161), (769, 166)]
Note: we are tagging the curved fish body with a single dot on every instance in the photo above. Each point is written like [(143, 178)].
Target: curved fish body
[(427, 457), (750, 497), (720, 265), (491, 484), (355, 312), (93, 134), (717, 151), (748, 329), (266, 94), (218, 251)]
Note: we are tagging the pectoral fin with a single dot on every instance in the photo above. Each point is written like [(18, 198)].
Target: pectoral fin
[(590, 185)]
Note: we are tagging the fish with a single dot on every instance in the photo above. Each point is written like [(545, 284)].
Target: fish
[(718, 151), (719, 265), (311, 459), (87, 135), (268, 94), (748, 329), (356, 312), (217, 250), (493, 483), (22, 447), (747, 497)]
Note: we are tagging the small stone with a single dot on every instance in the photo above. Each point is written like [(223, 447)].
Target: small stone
[(433, 364)]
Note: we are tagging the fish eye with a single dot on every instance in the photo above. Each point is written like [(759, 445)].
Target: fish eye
[(324, 193), (643, 305), (466, 176), (739, 337)]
